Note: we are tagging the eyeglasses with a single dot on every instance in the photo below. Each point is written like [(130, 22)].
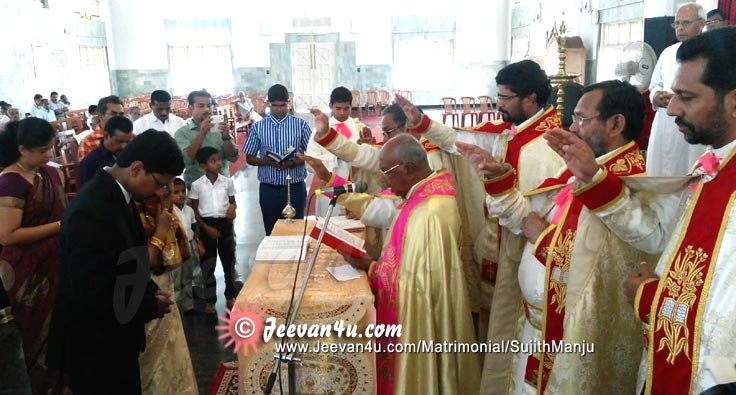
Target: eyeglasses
[(580, 120), (385, 172), (505, 98), (387, 133), (159, 184), (713, 21), (684, 23)]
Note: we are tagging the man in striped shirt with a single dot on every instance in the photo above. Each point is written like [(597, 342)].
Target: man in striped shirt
[(278, 133)]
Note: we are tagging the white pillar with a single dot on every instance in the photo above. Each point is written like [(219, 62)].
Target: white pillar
[(138, 35)]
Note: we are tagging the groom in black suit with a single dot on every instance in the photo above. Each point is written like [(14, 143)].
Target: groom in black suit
[(105, 293)]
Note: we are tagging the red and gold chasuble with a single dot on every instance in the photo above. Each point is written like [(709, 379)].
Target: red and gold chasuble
[(674, 305), (383, 275), (554, 250)]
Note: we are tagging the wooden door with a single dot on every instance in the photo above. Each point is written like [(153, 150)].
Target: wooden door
[(313, 74)]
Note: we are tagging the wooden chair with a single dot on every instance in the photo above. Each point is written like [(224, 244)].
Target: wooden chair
[(356, 102), (485, 107), (179, 103), (75, 123), (239, 125), (69, 164), (371, 101), (384, 99), (468, 108), (449, 109), (58, 125), (79, 113)]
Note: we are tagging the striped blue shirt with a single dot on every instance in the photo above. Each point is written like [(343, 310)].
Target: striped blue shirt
[(277, 135)]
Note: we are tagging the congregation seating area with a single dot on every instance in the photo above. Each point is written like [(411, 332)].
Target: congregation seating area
[(470, 109), (463, 112)]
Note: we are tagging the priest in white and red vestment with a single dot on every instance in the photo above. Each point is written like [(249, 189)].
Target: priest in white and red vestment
[(686, 304), (572, 266)]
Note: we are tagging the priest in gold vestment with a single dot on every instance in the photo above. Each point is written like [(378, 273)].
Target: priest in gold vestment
[(686, 302), (419, 281), (572, 266)]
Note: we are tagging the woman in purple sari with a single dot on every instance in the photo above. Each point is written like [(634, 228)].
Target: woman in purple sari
[(32, 201)]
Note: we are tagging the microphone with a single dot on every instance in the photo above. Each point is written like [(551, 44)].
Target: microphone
[(357, 187)]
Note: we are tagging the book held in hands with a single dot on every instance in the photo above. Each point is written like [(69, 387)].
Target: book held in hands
[(281, 158)]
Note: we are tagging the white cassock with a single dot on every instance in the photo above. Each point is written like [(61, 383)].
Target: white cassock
[(655, 224), (668, 154), (332, 162)]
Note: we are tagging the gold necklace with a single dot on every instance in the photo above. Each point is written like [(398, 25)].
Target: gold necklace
[(27, 170)]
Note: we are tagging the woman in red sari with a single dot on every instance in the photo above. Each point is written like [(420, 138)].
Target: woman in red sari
[(32, 201)]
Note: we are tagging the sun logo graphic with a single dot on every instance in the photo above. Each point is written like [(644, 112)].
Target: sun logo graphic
[(243, 328)]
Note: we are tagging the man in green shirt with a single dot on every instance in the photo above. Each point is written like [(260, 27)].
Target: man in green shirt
[(199, 132)]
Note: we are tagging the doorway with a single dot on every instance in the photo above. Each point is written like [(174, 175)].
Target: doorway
[(313, 74)]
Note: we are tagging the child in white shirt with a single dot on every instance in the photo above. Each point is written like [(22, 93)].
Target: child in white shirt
[(213, 200), (183, 275)]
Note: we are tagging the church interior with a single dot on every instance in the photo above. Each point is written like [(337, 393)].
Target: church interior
[(441, 56)]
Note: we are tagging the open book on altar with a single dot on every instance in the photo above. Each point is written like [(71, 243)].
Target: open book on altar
[(282, 249), (351, 225), (280, 158), (340, 239)]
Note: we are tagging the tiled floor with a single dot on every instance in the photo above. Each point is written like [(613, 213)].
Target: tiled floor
[(206, 350)]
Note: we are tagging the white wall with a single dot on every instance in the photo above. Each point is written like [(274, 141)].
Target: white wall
[(40, 52), (655, 8)]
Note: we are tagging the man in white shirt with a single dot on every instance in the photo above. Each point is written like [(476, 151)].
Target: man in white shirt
[(45, 112), (57, 106), (160, 117), (668, 153), (4, 107), (245, 109), (37, 105)]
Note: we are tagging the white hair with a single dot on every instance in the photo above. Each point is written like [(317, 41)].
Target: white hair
[(698, 8), (408, 149)]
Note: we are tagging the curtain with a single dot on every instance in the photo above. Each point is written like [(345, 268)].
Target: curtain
[(729, 6)]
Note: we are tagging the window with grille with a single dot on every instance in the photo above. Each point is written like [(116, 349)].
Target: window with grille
[(196, 67), (93, 66), (519, 48), (614, 37)]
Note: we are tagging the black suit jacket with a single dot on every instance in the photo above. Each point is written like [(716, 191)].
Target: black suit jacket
[(105, 293)]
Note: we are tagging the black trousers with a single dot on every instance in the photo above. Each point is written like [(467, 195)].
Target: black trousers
[(224, 246), (273, 199)]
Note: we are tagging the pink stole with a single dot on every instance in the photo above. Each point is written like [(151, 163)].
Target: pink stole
[(384, 275)]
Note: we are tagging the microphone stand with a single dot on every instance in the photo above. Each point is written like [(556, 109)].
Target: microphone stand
[(283, 356)]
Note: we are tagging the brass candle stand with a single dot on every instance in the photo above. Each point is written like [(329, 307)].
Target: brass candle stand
[(562, 77)]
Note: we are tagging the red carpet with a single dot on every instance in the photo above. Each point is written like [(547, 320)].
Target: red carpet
[(225, 381)]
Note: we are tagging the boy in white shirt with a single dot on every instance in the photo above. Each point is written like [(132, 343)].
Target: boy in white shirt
[(183, 276), (213, 201)]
